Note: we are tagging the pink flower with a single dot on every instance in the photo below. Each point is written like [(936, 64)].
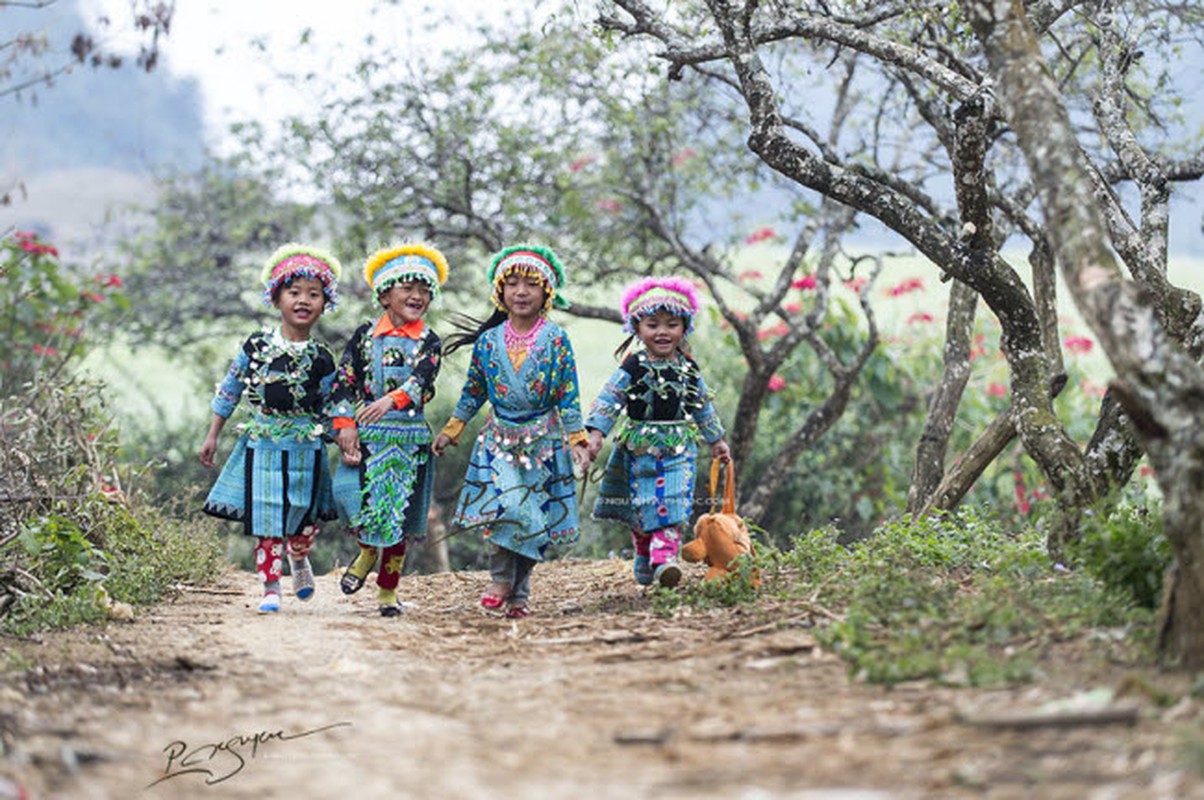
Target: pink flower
[(609, 206), (581, 163), (776, 383), (1146, 471), (44, 351), (750, 275), (997, 390), (805, 282), (110, 281), (1078, 344), (792, 308), (682, 156), (920, 316), (93, 296), (760, 235), (906, 287), (25, 235), (855, 284)]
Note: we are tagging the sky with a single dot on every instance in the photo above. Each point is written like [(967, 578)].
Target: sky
[(238, 49)]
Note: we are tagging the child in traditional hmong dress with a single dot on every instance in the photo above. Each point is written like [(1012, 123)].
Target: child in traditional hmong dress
[(519, 485), (276, 481), (386, 376), (648, 483)]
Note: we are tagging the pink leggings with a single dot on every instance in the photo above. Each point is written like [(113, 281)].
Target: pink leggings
[(659, 546)]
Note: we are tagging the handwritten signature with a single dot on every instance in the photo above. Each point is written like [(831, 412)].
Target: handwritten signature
[(221, 761)]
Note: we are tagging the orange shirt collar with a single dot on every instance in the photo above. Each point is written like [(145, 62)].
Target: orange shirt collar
[(411, 330)]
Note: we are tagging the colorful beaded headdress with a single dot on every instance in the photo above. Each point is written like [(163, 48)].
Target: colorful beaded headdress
[(299, 260), (532, 260), (649, 295), (414, 261)]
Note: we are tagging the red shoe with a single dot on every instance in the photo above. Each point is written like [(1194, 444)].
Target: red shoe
[(492, 601), (518, 612)]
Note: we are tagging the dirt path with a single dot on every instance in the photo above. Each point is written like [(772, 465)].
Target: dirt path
[(592, 697)]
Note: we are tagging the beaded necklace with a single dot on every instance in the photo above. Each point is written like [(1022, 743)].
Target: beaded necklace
[(520, 341)]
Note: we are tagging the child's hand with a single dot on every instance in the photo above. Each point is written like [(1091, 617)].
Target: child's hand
[(440, 444), (348, 440), (721, 451), (595, 444), (208, 450), (581, 458), (374, 411)]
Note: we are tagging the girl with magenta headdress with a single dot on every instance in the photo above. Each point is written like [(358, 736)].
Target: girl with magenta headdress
[(276, 481), (519, 485), (661, 406)]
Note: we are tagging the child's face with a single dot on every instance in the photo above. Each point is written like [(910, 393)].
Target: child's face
[(661, 332), (406, 301), (301, 301), (523, 296)]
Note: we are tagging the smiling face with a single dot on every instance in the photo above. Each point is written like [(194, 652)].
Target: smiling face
[(406, 301), (300, 301), (661, 332), (523, 296)]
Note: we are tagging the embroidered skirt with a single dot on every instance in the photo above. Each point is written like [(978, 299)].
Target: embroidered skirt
[(275, 488), (647, 491), (388, 495), (519, 487)]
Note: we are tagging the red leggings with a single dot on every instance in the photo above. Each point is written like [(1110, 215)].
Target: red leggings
[(269, 552)]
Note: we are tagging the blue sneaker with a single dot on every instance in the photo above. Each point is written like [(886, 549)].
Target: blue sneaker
[(269, 603), (643, 570)]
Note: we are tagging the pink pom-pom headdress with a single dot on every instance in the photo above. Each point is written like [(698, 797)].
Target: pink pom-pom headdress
[(649, 295)]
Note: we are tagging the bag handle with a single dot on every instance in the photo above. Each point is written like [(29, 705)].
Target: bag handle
[(729, 489)]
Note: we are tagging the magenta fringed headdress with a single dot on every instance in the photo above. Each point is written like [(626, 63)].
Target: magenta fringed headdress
[(649, 295)]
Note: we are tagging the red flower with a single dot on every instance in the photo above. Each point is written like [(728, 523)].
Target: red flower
[(920, 316), (776, 383), (906, 287), (760, 235), (997, 390), (110, 281), (854, 284), (781, 329), (609, 206), (750, 275), (93, 296), (44, 351), (1146, 471), (1078, 344), (1022, 504), (25, 235), (978, 349), (581, 163), (805, 282), (792, 308)]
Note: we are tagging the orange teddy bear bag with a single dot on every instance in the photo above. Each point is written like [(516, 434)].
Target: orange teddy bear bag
[(721, 537)]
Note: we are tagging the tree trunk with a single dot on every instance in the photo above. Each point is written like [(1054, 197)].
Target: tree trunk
[(1160, 385)]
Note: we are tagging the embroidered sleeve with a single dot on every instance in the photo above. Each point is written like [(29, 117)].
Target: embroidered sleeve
[(610, 404), (703, 411), (230, 390), (326, 406), (475, 391), (348, 391), (421, 382), (565, 392)]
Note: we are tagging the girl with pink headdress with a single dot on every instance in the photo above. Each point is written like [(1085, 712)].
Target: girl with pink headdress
[(276, 482), (648, 483)]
